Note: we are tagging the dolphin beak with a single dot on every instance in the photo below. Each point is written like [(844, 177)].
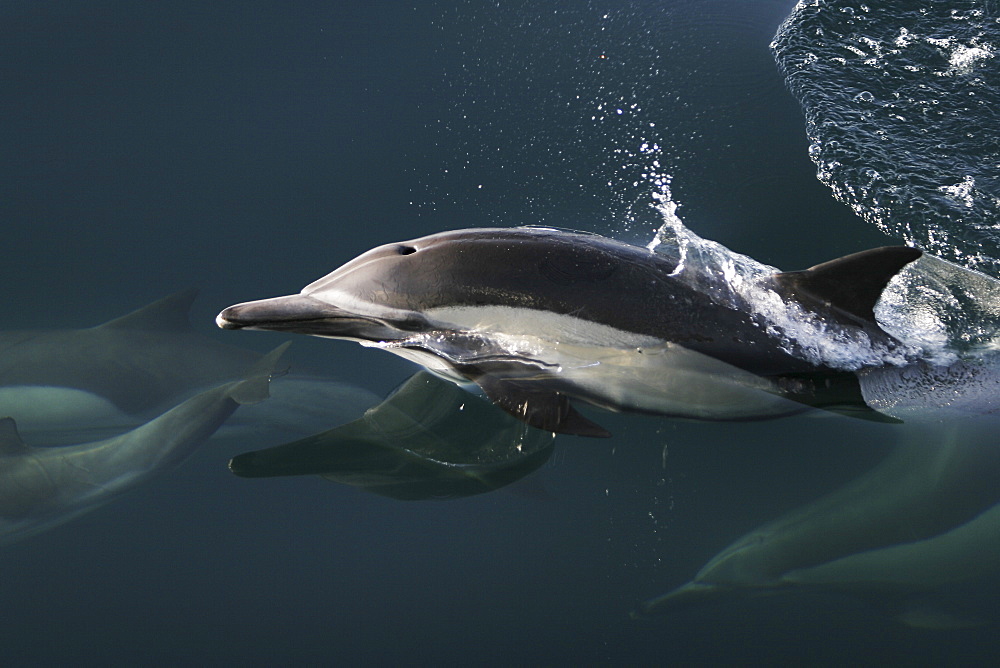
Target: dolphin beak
[(302, 314), (291, 313)]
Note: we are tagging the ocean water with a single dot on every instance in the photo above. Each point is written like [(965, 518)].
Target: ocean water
[(248, 148)]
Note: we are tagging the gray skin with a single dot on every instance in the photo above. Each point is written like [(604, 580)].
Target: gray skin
[(65, 386), (140, 362), (387, 295), (45, 487), (926, 516), (875, 533)]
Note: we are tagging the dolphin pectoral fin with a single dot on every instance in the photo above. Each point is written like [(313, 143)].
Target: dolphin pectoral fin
[(545, 410), (938, 617), (852, 284)]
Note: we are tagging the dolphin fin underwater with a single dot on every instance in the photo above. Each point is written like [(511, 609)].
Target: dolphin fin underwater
[(44, 487), (540, 318), (429, 439)]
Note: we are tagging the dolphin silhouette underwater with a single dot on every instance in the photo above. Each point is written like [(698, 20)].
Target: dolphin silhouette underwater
[(41, 488), (429, 439), (925, 517), (134, 365), (538, 316), (63, 384)]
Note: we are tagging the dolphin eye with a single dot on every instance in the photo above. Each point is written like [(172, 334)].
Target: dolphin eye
[(406, 250)]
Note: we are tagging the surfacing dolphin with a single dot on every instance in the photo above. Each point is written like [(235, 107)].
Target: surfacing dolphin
[(41, 488), (537, 316)]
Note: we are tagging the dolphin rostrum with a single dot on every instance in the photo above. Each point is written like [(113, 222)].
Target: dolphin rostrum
[(44, 487), (537, 316)]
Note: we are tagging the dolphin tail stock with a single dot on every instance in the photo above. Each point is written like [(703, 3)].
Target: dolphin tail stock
[(170, 437), (851, 284), (254, 386)]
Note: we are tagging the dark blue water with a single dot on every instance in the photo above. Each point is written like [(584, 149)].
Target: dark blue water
[(247, 149)]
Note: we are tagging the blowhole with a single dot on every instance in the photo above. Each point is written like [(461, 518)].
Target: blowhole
[(407, 250)]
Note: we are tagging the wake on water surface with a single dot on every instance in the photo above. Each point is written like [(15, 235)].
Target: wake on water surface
[(901, 103)]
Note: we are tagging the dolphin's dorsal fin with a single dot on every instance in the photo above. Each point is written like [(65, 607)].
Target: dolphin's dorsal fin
[(853, 283), (254, 387), (545, 410), (167, 314), (10, 439)]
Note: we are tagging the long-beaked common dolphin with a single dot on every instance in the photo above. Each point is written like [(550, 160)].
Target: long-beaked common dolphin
[(43, 487), (926, 516), (65, 386), (537, 316), (919, 492), (428, 440), (121, 372)]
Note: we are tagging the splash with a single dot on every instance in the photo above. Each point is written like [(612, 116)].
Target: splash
[(739, 282)]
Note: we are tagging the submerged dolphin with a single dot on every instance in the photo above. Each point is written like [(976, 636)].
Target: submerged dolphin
[(918, 494), (65, 386), (428, 440), (537, 316), (43, 487), (926, 516), (121, 372)]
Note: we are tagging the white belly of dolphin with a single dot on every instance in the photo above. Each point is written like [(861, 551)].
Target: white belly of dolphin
[(602, 365), (54, 414)]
